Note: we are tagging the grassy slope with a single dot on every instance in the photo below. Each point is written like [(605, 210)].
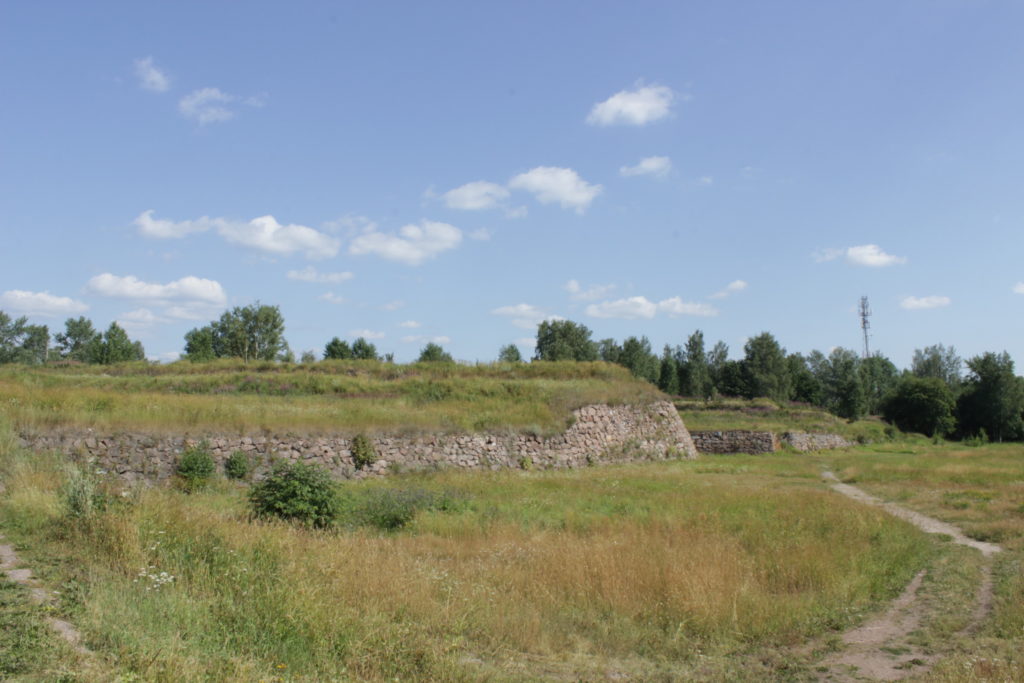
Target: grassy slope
[(326, 397)]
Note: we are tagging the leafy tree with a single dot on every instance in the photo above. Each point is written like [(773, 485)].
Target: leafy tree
[(12, 333), (878, 376), (840, 382), (114, 346), (920, 404), (253, 332), (695, 375), (992, 398), (636, 355), (35, 346), (510, 354), (308, 357), (199, 344), (364, 350), (806, 386), (609, 350), (668, 372), (434, 353), (337, 349), (765, 371), (564, 340), (73, 342), (940, 362), (717, 357)]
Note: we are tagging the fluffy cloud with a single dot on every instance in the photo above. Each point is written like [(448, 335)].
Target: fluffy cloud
[(551, 184), (525, 316), (367, 334), (39, 303), (206, 105), (150, 77), (412, 245), (636, 307), (870, 255), (310, 274), (915, 303), (475, 196), (1018, 288), (331, 298), (190, 289), (414, 338), (633, 107), (161, 228), (412, 324), (655, 166), (731, 288), (592, 293), (266, 234), (139, 320)]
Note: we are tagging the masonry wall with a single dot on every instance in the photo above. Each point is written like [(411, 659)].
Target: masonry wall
[(599, 434), (743, 441)]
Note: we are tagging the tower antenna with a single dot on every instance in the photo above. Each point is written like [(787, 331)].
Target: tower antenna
[(865, 313)]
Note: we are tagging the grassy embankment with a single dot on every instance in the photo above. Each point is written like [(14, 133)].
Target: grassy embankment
[(326, 397), (665, 571)]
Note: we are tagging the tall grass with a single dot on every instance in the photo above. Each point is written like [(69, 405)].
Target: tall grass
[(646, 569)]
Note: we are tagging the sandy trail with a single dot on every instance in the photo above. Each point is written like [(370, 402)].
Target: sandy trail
[(880, 649)]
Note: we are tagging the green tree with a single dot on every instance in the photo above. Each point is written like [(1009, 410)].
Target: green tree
[(806, 387), (992, 398), (940, 362), (694, 373), (637, 356), (609, 350), (510, 354), (718, 357), (842, 393), (668, 372), (35, 345), (253, 332), (434, 353), (12, 335), (564, 340), (920, 404), (308, 356), (364, 350), (764, 367), (114, 346), (199, 344), (73, 342), (337, 349), (878, 376)]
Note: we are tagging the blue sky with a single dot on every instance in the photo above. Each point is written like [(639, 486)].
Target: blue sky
[(459, 171)]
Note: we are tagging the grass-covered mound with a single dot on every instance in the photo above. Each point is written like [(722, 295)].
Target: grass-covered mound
[(325, 397)]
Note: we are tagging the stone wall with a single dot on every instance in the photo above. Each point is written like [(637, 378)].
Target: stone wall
[(735, 441), (742, 441), (599, 433)]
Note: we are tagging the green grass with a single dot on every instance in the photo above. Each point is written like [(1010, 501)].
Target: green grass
[(326, 397), (762, 414)]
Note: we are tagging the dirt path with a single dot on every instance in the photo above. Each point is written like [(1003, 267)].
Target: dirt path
[(9, 562), (881, 650)]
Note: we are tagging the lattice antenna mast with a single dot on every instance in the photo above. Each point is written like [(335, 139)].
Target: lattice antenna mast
[(865, 325)]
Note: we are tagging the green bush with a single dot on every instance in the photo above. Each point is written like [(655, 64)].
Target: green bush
[(297, 492), (391, 509), (363, 452), (196, 467), (237, 466)]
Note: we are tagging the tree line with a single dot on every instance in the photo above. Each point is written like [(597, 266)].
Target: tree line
[(934, 396), (79, 342)]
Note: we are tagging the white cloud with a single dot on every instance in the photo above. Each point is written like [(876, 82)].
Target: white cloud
[(551, 184), (592, 293), (413, 338), (310, 274), (266, 234), (480, 235), (331, 298), (413, 244), (206, 105), (189, 311), (1018, 288), (731, 288), (139, 320), (676, 306), (412, 324), (655, 166), (393, 305), (475, 196), (870, 255), (633, 107), (191, 288), (367, 334), (39, 303), (150, 77), (525, 316), (162, 228), (636, 307), (915, 303), (517, 212)]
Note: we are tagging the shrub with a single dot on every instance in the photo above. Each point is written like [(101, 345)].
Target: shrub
[(297, 492), (363, 452), (391, 509), (196, 467), (80, 494), (237, 466)]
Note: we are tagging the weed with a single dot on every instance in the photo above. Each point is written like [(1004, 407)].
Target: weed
[(363, 452), (237, 466), (196, 467)]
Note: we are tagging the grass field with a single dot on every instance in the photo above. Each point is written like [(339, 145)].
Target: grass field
[(325, 397), (691, 569)]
